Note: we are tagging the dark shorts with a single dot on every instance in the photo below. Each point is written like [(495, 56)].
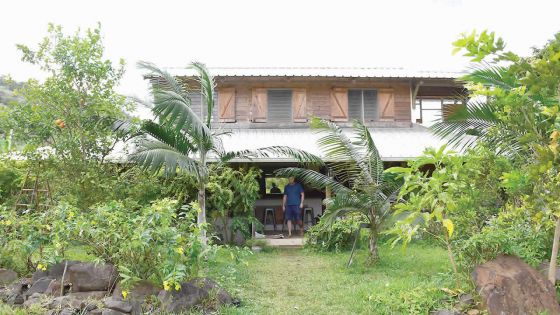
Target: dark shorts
[(293, 213)]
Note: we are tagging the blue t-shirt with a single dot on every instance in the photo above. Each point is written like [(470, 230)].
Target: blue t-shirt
[(293, 193)]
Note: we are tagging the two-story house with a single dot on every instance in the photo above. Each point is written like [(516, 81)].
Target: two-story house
[(271, 106)]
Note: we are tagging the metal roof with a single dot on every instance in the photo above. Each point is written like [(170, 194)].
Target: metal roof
[(336, 72), (394, 144)]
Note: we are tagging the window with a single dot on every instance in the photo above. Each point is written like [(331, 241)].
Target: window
[(362, 105), (196, 104), (279, 106)]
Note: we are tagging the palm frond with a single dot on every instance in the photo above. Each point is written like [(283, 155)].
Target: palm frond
[(338, 147), (467, 123), (372, 161), (169, 136), (174, 110), (301, 156), (168, 81), (312, 179), (342, 204), (491, 75), (154, 155), (207, 87)]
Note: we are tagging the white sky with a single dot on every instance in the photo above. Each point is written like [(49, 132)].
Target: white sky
[(411, 34)]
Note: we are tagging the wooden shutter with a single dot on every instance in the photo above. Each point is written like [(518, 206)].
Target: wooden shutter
[(298, 105), (339, 104), (259, 105), (386, 101), (226, 104)]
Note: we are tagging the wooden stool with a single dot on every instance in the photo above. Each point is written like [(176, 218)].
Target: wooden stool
[(273, 216), (308, 215)]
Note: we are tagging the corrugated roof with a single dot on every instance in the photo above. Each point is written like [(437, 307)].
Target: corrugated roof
[(394, 144), (338, 72)]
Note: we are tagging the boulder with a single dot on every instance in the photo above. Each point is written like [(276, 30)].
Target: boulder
[(35, 298), (39, 286), (77, 300), (108, 311), (13, 295), (117, 304), (140, 291), (90, 277), (55, 271), (7, 276), (466, 300), (510, 286), (54, 288), (193, 293), (445, 312)]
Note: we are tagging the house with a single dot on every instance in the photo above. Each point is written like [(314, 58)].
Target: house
[(271, 106)]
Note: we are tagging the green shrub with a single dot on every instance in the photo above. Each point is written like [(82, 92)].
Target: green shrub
[(506, 234), (338, 236), (10, 179)]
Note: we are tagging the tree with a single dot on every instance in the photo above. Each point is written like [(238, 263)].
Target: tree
[(354, 174), (519, 117), (178, 138), (68, 118)]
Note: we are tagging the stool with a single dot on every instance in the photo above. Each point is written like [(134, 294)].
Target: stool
[(273, 216), (308, 215)]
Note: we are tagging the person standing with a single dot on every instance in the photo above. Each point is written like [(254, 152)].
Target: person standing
[(292, 204)]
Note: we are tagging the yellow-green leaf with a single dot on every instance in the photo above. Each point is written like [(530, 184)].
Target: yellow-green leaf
[(448, 225)]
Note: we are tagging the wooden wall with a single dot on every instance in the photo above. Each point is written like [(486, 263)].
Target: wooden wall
[(318, 93)]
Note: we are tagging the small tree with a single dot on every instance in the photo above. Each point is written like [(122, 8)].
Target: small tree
[(428, 197), (178, 138), (70, 114), (355, 176)]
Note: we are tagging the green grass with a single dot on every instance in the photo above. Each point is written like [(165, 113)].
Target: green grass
[(304, 282)]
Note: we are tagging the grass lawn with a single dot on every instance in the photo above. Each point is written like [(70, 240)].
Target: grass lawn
[(304, 282)]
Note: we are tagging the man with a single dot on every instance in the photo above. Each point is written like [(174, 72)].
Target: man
[(274, 189), (292, 204)]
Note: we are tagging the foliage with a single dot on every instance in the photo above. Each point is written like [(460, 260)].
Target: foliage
[(337, 236), (10, 178), (68, 118), (520, 119), (159, 242), (357, 179), (179, 138), (226, 202)]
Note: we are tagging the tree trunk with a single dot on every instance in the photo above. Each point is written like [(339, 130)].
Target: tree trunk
[(202, 214), (373, 252), (554, 255)]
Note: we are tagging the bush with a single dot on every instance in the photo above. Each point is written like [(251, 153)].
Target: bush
[(159, 242), (338, 236), (10, 179), (507, 234)]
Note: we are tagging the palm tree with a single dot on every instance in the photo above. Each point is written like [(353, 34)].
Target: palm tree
[(355, 175), (178, 138)]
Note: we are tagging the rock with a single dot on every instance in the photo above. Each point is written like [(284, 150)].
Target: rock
[(7, 276), (35, 298), (54, 288), (473, 312), (90, 277), (55, 271), (466, 300), (117, 304), (96, 312), (91, 295), (192, 293), (510, 286), (108, 311), (67, 311), (65, 301), (256, 249), (39, 286), (445, 312), (139, 291), (15, 299)]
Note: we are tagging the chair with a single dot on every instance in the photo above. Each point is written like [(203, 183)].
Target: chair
[(308, 215), (272, 213)]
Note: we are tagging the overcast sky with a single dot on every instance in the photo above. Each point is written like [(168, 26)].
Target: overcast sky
[(411, 34)]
